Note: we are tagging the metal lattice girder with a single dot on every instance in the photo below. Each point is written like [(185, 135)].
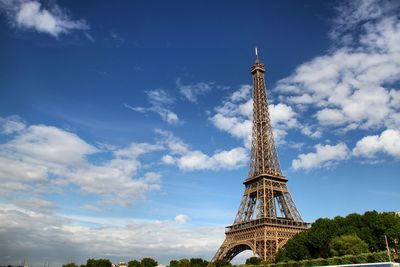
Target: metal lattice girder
[(264, 158), (258, 226)]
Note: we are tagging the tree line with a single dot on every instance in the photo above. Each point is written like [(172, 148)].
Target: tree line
[(347, 259), (351, 235), (145, 262)]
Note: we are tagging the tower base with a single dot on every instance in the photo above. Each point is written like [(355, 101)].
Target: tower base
[(264, 239)]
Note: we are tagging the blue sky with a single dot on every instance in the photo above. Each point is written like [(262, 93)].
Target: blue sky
[(125, 125)]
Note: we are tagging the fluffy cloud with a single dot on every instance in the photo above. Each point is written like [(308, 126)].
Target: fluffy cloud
[(11, 124), (49, 144), (181, 219), (159, 96), (31, 15), (350, 86), (354, 87), (388, 142), (324, 156), (235, 115), (35, 234), (38, 157), (352, 13), (192, 91), (160, 102), (190, 160), (197, 160)]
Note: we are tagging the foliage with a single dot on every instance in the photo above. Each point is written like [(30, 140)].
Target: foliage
[(319, 262), (193, 262), (346, 259), (71, 264), (173, 263), (134, 263), (253, 261), (265, 263), (148, 262), (220, 263), (335, 261), (98, 263), (329, 237), (378, 257), (296, 249), (292, 264), (299, 263), (198, 262), (183, 263), (347, 245)]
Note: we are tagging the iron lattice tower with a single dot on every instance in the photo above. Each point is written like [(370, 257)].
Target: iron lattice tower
[(267, 217)]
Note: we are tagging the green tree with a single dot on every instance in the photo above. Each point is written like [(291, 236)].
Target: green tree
[(148, 262), (98, 263), (198, 262), (183, 263), (347, 245), (173, 263), (134, 263), (253, 261), (296, 249), (221, 263), (71, 264), (371, 227)]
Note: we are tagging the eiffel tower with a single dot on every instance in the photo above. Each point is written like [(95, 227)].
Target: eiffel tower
[(267, 217)]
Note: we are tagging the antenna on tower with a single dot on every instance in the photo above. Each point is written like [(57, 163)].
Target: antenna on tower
[(256, 49)]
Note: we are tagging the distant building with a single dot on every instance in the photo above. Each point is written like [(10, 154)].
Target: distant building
[(122, 264)]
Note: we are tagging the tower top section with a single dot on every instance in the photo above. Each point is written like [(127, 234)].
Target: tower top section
[(257, 65), (264, 157)]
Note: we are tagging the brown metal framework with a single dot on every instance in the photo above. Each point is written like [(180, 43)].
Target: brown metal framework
[(267, 217)]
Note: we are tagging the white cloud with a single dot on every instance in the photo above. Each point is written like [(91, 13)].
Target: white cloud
[(159, 96), (117, 37), (197, 160), (19, 170), (134, 150), (324, 156), (11, 124), (181, 219), (160, 102), (35, 204), (90, 37), (113, 181), (331, 116), (37, 158), (168, 159), (43, 144), (388, 142), (311, 131), (173, 143), (192, 91), (32, 15), (352, 13), (355, 85), (35, 234), (350, 87), (190, 160)]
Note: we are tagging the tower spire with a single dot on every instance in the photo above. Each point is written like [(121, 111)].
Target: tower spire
[(256, 50)]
